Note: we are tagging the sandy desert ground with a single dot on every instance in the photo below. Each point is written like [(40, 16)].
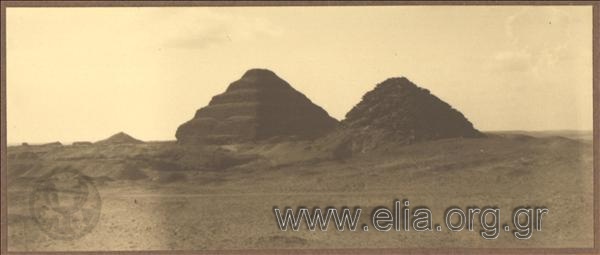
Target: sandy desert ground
[(161, 196)]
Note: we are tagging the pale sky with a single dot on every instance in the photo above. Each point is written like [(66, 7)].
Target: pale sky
[(83, 74)]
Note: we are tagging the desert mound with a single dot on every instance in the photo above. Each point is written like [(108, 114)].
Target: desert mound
[(120, 138), (399, 112), (53, 144), (258, 106)]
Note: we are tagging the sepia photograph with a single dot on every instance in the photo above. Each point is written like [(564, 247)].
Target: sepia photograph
[(310, 127)]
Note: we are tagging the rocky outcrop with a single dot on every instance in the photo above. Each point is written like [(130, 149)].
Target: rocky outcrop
[(258, 106)]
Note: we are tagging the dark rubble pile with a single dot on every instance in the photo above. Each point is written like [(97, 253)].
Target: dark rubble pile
[(399, 111)]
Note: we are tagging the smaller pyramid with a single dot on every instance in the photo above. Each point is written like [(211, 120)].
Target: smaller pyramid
[(120, 138), (399, 112)]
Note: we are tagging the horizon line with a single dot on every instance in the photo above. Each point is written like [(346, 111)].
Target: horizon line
[(171, 140)]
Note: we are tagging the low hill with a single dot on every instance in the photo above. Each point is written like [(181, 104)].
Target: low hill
[(119, 138)]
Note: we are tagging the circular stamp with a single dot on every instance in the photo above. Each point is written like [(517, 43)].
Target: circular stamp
[(65, 204)]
